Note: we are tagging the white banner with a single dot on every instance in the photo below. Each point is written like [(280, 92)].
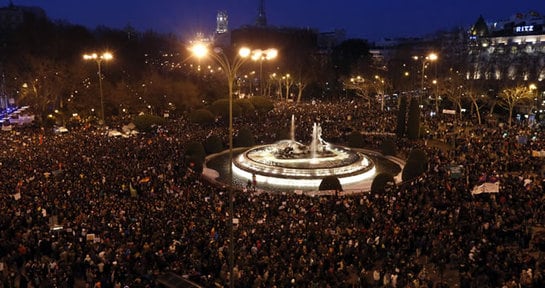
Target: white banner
[(487, 187)]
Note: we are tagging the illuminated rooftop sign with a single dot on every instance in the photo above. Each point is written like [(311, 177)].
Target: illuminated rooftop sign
[(522, 29)]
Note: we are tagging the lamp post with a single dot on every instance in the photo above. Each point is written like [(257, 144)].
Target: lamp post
[(260, 55), (425, 60), (230, 67), (287, 81), (436, 83), (380, 85), (533, 87), (106, 56)]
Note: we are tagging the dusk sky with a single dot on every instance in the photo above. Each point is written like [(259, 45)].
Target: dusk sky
[(372, 20)]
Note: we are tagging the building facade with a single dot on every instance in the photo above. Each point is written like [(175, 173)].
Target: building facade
[(512, 49)]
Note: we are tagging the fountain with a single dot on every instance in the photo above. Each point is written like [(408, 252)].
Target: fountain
[(289, 163), (292, 129)]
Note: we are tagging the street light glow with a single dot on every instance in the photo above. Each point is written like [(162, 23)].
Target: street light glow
[(244, 52), (94, 56), (199, 50), (260, 55), (106, 56), (257, 54), (425, 60), (432, 57)]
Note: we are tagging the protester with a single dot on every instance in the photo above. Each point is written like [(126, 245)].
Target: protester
[(86, 210)]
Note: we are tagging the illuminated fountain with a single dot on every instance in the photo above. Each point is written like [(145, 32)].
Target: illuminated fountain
[(289, 163)]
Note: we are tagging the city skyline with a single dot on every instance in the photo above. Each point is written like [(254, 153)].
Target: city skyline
[(373, 21)]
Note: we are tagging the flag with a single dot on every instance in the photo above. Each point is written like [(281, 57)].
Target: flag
[(19, 185), (133, 191)]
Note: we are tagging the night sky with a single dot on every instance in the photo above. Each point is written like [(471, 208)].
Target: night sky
[(372, 20)]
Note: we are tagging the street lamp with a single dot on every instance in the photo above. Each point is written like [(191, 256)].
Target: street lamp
[(230, 67), (425, 60), (260, 55), (533, 87), (380, 89), (436, 83), (287, 81), (106, 56)]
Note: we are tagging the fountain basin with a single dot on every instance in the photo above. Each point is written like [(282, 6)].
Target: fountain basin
[(290, 165), (303, 169)]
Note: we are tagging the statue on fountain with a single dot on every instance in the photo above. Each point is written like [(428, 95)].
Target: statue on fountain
[(291, 149)]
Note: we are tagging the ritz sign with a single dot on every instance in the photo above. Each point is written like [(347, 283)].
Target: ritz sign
[(521, 29)]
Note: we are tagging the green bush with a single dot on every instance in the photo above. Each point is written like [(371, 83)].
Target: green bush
[(262, 104), (419, 156), (145, 122), (413, 120), (355, 140), (411, 170), (330, 183), (381, 182), (389, 147), (220, 107), (202, 116), (244, 138), (194, 156), (213, 144), (195, 150), (246, 106)]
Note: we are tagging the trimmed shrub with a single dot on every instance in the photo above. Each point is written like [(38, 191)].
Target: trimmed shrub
[(355, 140), (388, 147), (244, 138), (419, 156), (202, 116), (262, 104), (145, 123), (381, 182), (220, 107), (195, 149), (245, 105), (413, 120), (411, 170), (330, 183), (213, 144), (194, 156)]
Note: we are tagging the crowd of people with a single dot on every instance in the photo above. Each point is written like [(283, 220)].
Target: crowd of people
[(83, 209)]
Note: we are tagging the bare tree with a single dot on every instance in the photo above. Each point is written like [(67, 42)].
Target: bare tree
[(360, 87), (453, 89), (301, 85), (511, 97), (287, 81), (380, 86), (43, 84)]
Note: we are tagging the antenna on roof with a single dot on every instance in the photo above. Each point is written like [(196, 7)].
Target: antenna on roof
[(261, 20)]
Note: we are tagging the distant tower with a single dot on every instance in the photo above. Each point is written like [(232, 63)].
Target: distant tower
[(222, 22), (261, 20)]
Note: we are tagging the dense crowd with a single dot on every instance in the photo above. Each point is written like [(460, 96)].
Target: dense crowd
[(86, 210)]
